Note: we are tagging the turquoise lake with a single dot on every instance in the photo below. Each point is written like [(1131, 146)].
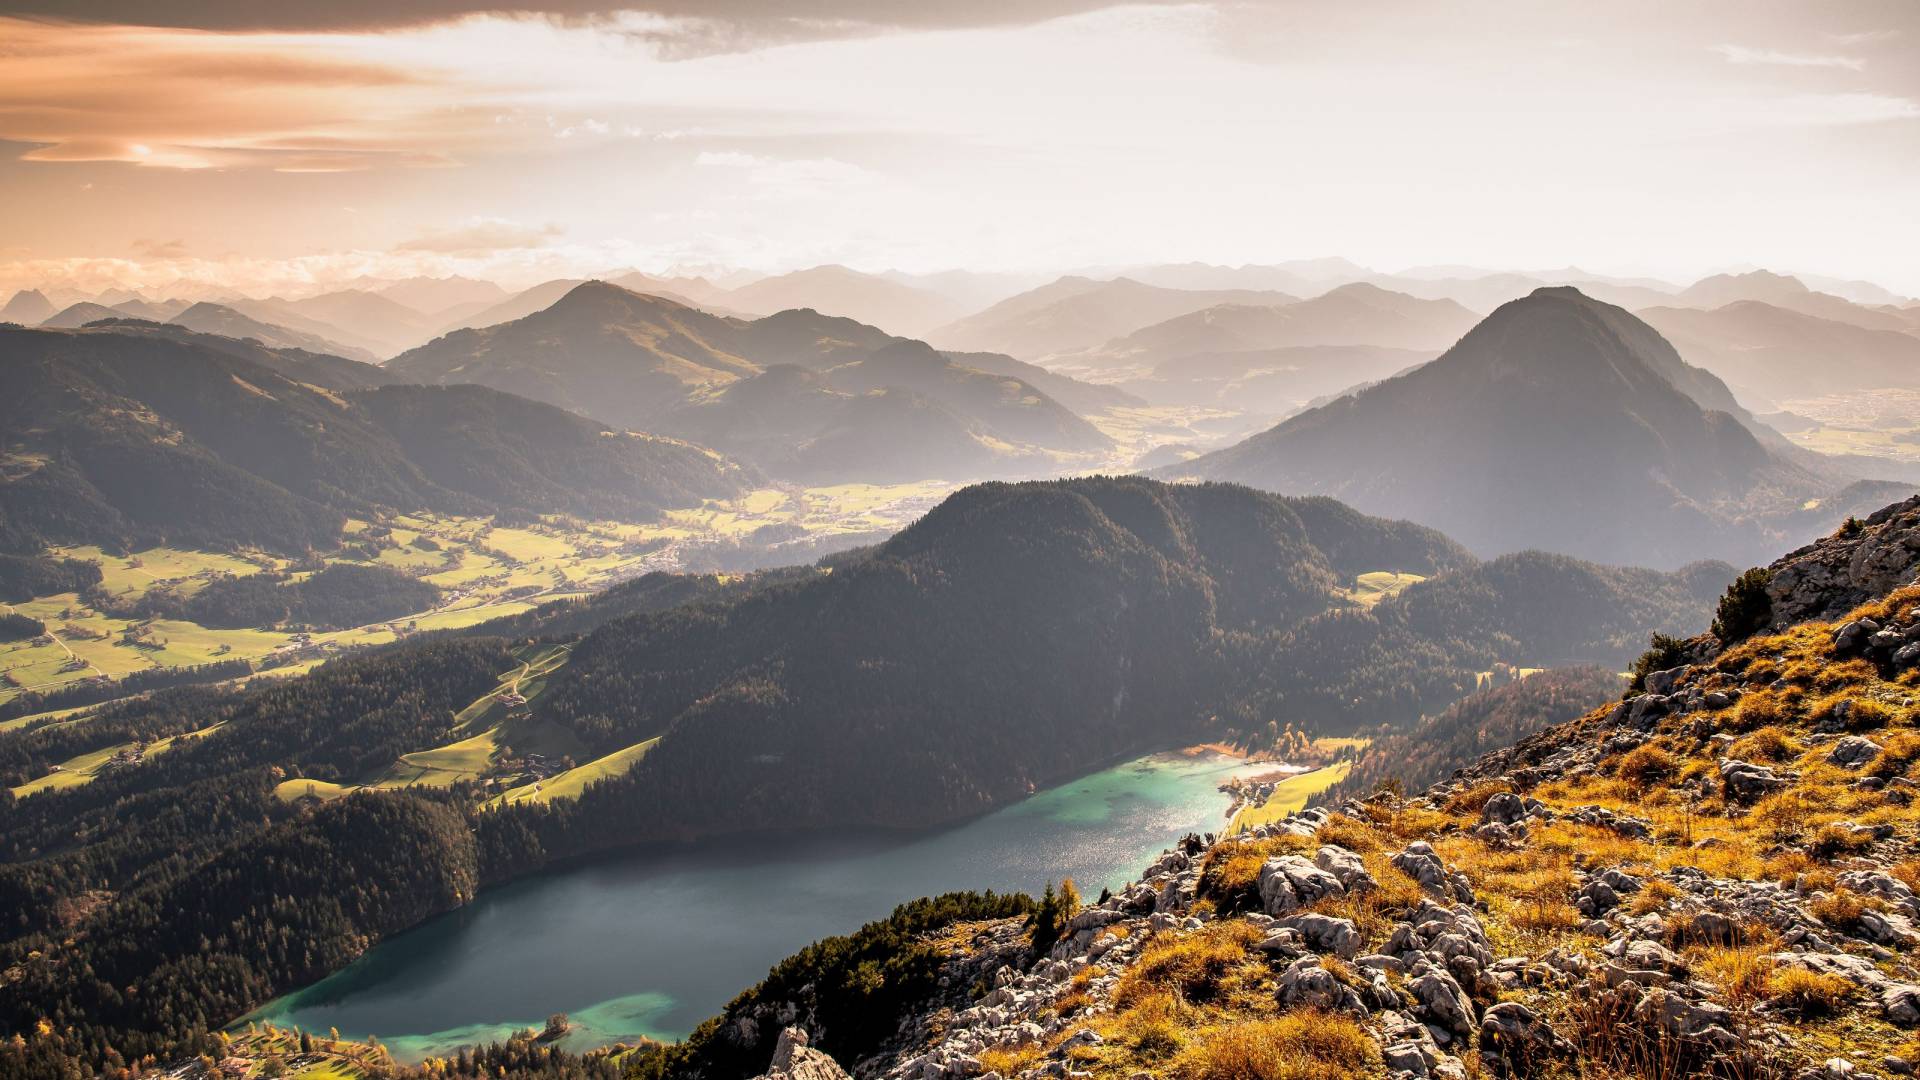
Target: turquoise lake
[(652, 943)]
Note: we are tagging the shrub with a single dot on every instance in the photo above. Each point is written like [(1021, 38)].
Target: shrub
[(1646, 765), (1840, 910), (1663, 651), (1896, 756), (1808, 993), (1194, 968), (1307, 1045), (1767, 744), (1230, 874), (1746, 609)]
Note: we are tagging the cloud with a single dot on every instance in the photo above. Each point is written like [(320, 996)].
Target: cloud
[(483, 236), (171, 99), (1862, 37), (760, 16), (159, 249), (789, 178), (1741, 54)]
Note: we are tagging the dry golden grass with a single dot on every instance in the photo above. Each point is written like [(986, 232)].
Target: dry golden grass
[(1010, 1060), (1807, 993), (1833, 841), (1740, 972), (1349, 833), (1197, 968), (1896, 756), (1154, 1028), (1305, 1045), (1470, 801), (1652, 897), (1230, 874), (1839, 909), (1768, 744), (1545, 917), (1645, 766)]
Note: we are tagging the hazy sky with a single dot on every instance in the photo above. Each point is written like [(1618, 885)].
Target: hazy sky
[(292, 142)]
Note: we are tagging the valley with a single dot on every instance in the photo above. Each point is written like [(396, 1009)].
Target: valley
[(487, 570)]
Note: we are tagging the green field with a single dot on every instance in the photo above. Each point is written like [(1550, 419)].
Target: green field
[(82, 770), (569, 784), (1371, 588), (487, 572), (1290, 795), (496, 733)]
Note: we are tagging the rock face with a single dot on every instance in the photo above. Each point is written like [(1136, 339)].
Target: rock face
[(794, 1059), (1832, 576)]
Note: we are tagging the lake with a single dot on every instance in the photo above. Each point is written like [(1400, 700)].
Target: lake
[(652, 943)]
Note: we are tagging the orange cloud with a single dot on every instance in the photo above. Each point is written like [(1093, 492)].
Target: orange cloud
[(191, 99)]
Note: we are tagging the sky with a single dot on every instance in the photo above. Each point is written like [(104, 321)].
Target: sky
[(283, 147)]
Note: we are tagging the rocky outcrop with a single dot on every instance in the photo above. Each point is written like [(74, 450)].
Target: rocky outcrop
[(794, 1059), (1832, 576)]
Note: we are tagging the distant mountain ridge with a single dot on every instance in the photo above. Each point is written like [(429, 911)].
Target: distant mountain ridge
[(799, 393)]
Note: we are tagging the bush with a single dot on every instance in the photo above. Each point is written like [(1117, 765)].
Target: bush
[(1746, 609), (1808, 993), (1192, 968), (1663, 651), (1647, 765)]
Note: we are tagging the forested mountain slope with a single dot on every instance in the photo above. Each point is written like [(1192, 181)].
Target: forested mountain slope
[(128, 439)]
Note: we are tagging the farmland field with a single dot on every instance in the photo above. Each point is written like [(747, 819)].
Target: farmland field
[(486, 571)]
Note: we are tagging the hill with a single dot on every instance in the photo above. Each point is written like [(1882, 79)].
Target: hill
[(1779, 290), (209, 318), (1772, 354), (129, 439), (1356, 314), (799, 394), (1555, 423), (368, 320), (78, 315), (836, 290), (1075, 313), (1115, 615), (1272, 381)]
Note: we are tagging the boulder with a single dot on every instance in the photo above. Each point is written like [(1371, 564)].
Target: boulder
[(1516, 1042), (1290, 882), (1307, 984), (1325, 933), (794, 1059), (1853, 751)]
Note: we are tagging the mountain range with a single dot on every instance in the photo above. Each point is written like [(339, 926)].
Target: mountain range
[(126, 439), (1558, 423), (1771, 354), (1074, 312), (798, 393)]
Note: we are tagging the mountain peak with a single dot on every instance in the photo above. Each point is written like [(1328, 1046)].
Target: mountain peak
[(28, 306)]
